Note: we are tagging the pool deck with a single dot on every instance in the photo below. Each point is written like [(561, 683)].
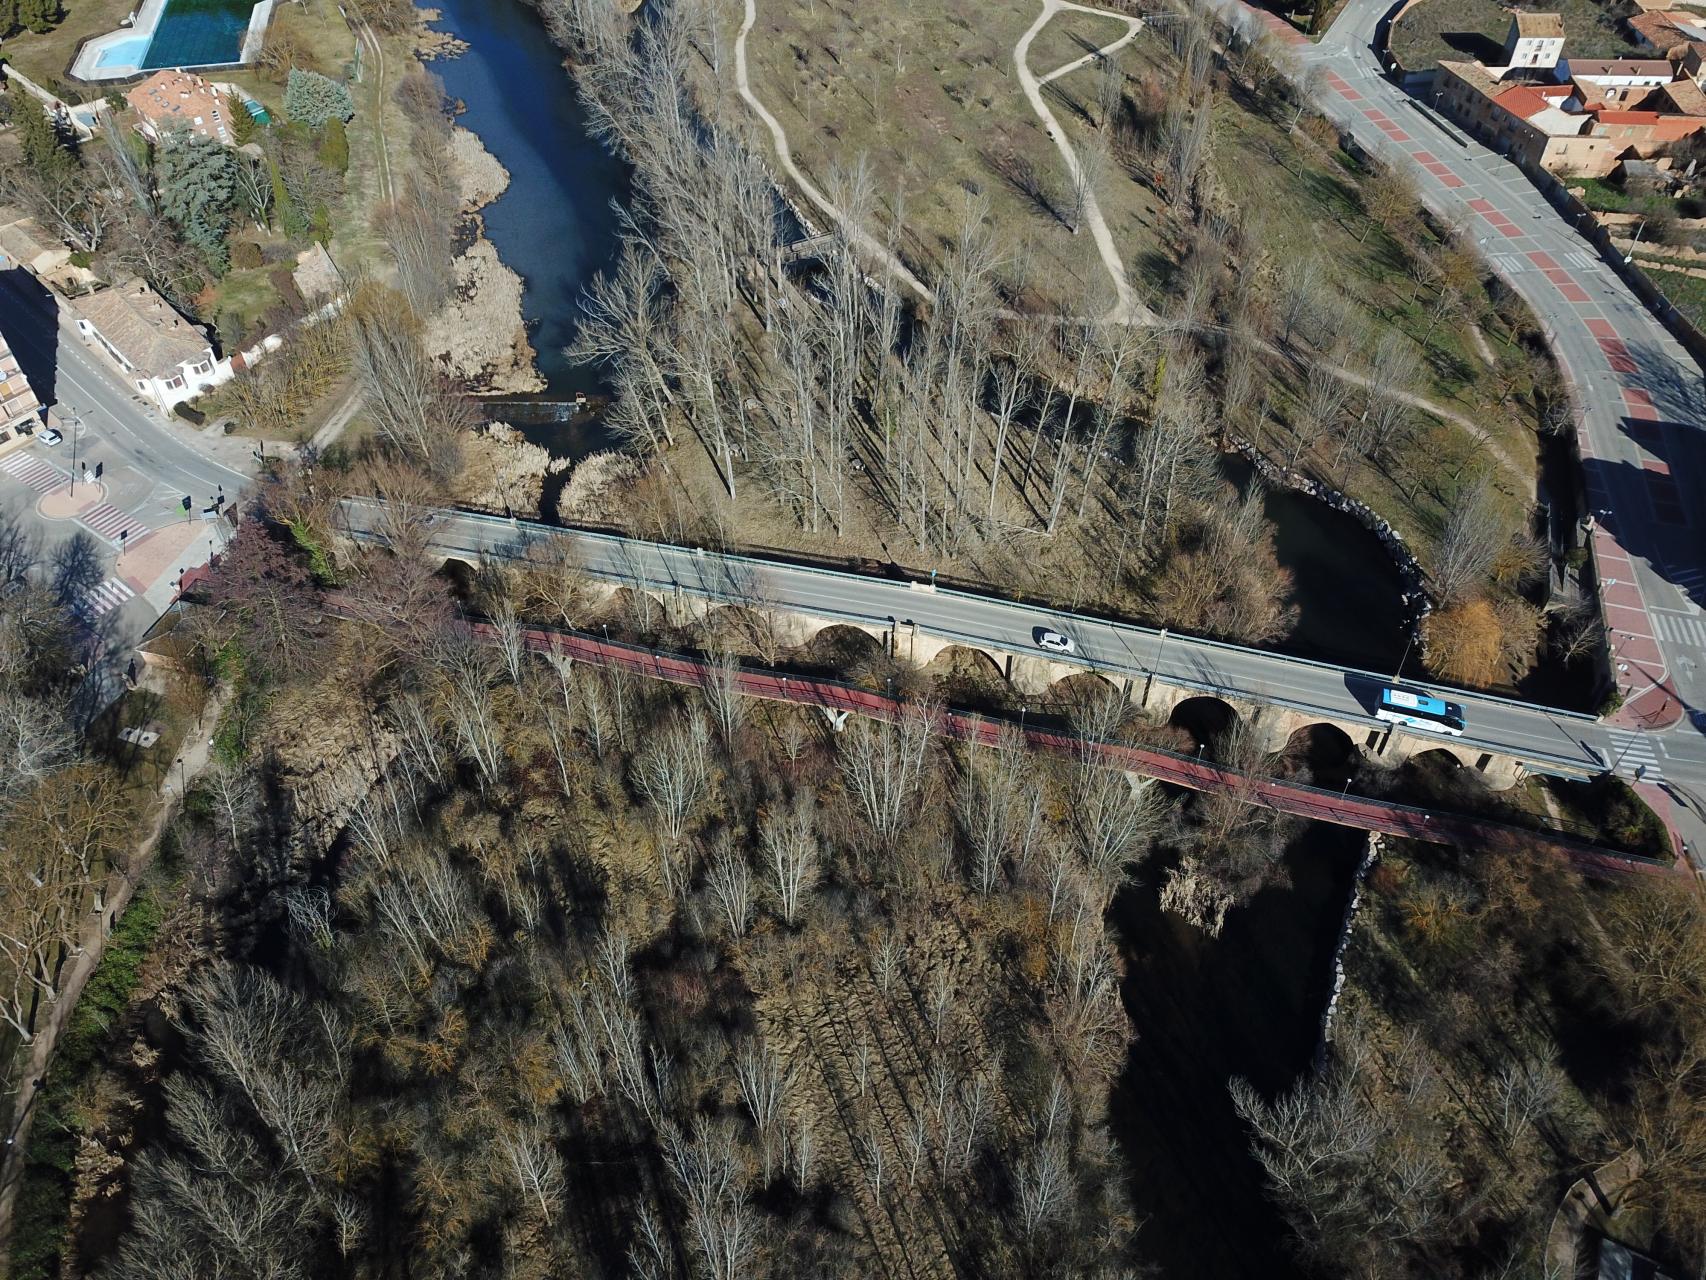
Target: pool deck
[(87, 67)]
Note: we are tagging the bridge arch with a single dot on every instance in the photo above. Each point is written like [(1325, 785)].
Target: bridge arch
[(842, 647), (1205, 717), (1323, 748), (963, 662), (1075, 692)]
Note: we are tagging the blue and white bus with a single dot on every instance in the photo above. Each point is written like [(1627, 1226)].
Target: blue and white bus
[(1416, 710)]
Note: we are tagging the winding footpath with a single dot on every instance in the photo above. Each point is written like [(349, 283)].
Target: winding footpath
[(1127, 309), (785, 156)]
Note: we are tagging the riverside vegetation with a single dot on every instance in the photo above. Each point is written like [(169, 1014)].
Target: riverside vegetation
[(485, 962), (482, 962)]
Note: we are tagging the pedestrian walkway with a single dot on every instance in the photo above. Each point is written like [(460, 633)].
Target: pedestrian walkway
[(102, 598), (108, 522), (1634, 756), (33, 472)]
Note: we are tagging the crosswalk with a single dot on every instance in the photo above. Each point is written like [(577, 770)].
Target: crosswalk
[(108, 521), (105, 521), (1634, 754), (1679, 628), (35, 473), (102, 598)]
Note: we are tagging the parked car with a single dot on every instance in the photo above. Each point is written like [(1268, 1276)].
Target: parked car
[(52, 436), (1053, 641)]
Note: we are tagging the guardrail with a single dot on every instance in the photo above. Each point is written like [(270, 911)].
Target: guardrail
[(664, 551)]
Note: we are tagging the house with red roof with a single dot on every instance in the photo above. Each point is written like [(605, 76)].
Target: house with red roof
[(1583, 116)]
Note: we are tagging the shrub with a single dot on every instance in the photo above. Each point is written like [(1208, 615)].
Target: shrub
[(312, 99), (246, 254), (334, 147), (243, 125)]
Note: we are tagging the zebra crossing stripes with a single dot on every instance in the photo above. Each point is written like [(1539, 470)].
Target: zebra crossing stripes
[(108, 521), (1679, 628), (34, 473), (1633, 753), (103, 598)]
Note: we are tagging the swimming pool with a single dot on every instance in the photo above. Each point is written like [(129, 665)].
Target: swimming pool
[(199, 33), (177, 33)]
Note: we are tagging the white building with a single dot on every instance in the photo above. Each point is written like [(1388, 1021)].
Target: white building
[(1617, 73), (166, 358), (1534, 40)]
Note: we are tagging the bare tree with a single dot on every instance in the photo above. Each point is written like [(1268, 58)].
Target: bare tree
[(533, 1162), (729, 880), (672, 772), (788, 844), (883, 766), (1474, 535)]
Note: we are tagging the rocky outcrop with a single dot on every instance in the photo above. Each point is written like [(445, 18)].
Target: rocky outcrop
[(594, 485), (483, 179), (503, 471), (478, 337)]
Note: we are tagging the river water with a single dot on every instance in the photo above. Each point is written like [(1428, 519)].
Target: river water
[(554, 225), (556, 228)]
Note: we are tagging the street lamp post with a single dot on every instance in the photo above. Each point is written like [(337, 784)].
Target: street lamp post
[(1630, 256), (1150, 678), (76, 425), (1398, 672)]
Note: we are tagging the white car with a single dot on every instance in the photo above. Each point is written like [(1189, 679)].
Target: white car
[(1053, 641), (52, 436)]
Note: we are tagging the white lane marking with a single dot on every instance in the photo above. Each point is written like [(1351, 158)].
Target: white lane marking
[(103, 598), (1634, 754), (1680, 628)]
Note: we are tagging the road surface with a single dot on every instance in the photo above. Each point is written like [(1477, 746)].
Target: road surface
[(1640, 396), (1546, 739), (132, 470)]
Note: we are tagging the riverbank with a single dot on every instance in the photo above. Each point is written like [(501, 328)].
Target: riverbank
[(479, 337), (553, 227)]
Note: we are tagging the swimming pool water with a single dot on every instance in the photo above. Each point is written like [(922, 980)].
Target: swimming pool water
[(197, 33), (126, 53)]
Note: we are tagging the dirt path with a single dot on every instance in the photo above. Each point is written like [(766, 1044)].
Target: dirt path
[(1127, 309), (785, 156), (368, 39), (121, 886)]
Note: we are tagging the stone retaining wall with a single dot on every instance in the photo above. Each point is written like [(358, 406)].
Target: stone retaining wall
[(1369, 858), (1409, 569)]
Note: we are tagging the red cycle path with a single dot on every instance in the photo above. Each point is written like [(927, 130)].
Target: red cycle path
[(1199, 775)]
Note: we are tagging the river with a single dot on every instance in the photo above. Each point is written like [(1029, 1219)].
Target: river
[(554, 226)]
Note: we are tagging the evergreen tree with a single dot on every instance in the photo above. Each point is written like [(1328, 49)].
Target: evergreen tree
[(312, 99), (38, 135), (38, 15), (198, 190)]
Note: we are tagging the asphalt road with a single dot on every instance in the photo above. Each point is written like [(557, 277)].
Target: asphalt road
[(148, 465), (1640, 396), (1547, 739)]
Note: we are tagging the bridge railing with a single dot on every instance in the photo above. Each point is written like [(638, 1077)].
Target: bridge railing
[(1546, 761), (1304, 799)]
